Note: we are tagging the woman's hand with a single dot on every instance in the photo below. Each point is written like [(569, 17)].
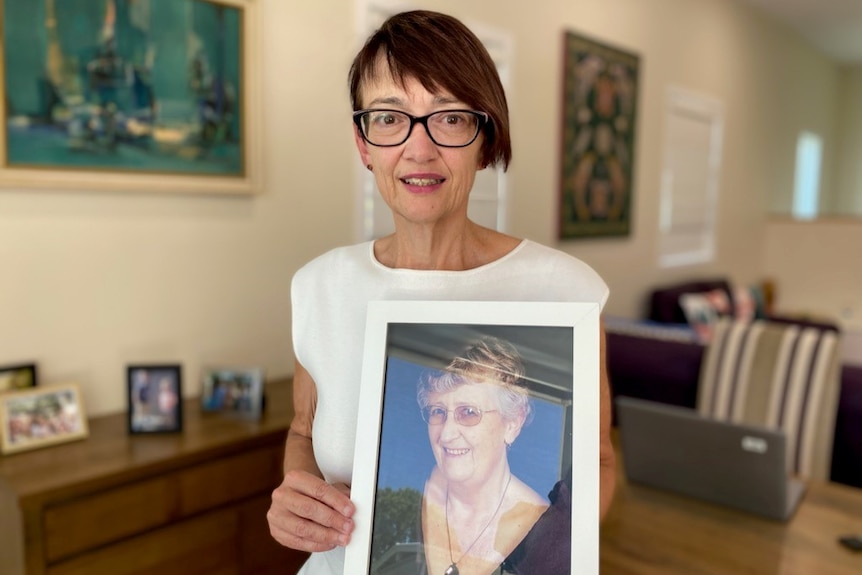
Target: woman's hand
[(309, 514)]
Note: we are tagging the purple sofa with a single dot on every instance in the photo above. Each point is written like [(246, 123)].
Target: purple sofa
[(667, 370)]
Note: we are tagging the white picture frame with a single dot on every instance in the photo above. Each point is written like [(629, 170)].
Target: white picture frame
[(559, 346), (233, 391)]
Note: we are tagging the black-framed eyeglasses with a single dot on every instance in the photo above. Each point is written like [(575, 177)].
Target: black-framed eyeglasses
[(447, 128), (466, 415)]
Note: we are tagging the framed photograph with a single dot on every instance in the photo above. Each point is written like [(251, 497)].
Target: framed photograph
[(41, 416), (600, 90), (120, 95), (14, 377), (155, 398), (477, 443), (235, 391)]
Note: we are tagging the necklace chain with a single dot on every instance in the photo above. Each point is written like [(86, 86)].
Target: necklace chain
[(453, 567)]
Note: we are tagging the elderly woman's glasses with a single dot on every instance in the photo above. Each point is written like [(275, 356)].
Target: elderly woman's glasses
[(447, 128), (466, 415)]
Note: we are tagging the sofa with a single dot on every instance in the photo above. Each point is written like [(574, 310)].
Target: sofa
[(661, 361)]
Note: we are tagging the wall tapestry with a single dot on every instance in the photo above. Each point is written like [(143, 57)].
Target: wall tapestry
[(600, 87)]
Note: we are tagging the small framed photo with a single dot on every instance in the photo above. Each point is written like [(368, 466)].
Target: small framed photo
[(14, 377), (477, 409), (41, 416), (155, 398), (235, 391)]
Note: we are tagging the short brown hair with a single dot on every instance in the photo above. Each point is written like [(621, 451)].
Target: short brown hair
[(441, 53)]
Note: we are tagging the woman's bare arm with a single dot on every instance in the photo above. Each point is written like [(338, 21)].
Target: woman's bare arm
[(607, 457), (307, 513)]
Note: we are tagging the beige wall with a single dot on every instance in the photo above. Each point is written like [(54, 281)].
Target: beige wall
[(847, 198), (817, 267), (94, 281)]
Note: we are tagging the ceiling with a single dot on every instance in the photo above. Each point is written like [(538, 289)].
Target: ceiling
[(833, 26)]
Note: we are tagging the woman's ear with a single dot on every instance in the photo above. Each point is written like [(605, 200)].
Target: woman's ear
[(513, 429), (361, 146)]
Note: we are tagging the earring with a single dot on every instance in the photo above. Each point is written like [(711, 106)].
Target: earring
[(508, 445), (370, 167)]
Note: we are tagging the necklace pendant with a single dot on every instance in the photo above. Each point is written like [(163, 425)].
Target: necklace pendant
[(452, 570)]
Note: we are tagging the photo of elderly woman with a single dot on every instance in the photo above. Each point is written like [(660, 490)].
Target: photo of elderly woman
[(474, 483)]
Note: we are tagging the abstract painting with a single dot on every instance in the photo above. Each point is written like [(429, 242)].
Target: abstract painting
[(135, 87)]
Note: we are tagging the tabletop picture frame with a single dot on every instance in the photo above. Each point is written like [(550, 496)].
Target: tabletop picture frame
[(404, 341), (233, 391), (18, 376), (159, 96), (155, 398), (41, 416)]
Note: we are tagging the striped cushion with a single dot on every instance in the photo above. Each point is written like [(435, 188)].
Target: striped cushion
[(781, 376)]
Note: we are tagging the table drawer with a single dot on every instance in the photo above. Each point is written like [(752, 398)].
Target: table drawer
[(98, 519), (205, 545)]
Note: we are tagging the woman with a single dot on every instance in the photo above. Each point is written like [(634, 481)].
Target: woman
[(429, 112), (475, 511)]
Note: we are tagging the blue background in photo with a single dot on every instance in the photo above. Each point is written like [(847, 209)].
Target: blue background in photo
[(406, 459)]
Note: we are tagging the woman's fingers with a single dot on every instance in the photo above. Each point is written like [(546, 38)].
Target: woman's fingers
[(309, 514)]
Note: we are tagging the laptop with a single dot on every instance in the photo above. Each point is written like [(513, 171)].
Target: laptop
[(676, 449)]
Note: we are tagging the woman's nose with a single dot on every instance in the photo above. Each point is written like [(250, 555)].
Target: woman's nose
[(449, 428), (419, 146)]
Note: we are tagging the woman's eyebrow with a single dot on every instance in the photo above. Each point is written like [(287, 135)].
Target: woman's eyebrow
[(391, 100), (446, 100), (397, 101)]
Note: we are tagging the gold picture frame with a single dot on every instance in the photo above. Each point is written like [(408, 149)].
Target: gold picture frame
[(41, 416), (116, 96)]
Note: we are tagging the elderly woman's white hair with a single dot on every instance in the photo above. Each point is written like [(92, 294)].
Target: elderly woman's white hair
[(488, 360)]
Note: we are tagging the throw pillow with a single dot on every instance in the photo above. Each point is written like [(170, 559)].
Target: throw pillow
[(700, 313)]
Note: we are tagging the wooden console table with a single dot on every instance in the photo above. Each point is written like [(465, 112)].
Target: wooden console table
[(188, 503), (652, 532)]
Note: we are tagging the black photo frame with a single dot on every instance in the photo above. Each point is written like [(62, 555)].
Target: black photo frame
[(155, 398), (18, 377)]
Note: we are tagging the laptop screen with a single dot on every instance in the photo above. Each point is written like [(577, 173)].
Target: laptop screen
[(675, 449)]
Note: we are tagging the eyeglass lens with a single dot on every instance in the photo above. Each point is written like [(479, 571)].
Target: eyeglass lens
[(446, 128), (466, 415)]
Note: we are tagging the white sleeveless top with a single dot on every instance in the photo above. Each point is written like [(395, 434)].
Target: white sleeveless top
[(329, 298)]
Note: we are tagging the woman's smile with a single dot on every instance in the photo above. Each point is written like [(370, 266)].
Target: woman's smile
[(423, 183)]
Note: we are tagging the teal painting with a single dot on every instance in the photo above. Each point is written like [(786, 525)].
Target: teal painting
[(138, 86)]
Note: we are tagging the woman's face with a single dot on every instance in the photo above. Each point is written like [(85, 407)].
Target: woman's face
[(421, 182), (471, 454)]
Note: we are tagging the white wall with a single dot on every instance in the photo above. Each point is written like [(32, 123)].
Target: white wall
[(94, 281)]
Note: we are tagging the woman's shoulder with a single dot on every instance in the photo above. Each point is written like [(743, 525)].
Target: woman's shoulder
[(335, 261), (570, 278), (554, 256), (523, 493)]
